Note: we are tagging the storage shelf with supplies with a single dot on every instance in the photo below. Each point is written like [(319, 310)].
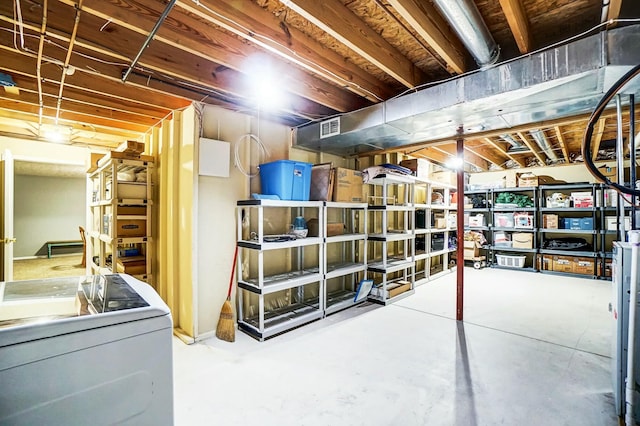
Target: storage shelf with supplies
[(120, 217)]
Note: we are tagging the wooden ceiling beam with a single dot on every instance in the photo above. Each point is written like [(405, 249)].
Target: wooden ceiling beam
[(533, 147), (184, 42), (613, 12), (337, 20), (597, 138), (432, 154), (504, 151), (429, 24), (32, 108), (518, 22), (563, 143), (256, 25), (478, 148), (469, 157)]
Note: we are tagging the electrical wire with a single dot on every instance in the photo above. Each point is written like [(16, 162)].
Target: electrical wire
[(595, 116), (262, 149)]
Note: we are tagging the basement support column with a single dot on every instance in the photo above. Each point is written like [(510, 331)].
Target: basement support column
[(460, 226)]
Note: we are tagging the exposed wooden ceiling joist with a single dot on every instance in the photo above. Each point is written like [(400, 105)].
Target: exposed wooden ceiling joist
[(533, 147), (500, 147), (430, 25), (432, 154), (336, 19), (563, 143), (481, 150), (253, 23), (518, 22), (469, 157), (597, 138), (189, 49)]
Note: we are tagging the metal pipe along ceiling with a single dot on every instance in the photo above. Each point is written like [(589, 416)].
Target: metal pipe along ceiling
[(466, 21), (541, 139)]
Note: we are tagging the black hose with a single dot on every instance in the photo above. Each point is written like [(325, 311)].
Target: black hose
[(586, 140)]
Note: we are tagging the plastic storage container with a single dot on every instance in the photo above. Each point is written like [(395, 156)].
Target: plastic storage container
[(289, 180), (510, 261)]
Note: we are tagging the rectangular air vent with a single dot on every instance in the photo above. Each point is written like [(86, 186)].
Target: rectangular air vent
[(330, 128)]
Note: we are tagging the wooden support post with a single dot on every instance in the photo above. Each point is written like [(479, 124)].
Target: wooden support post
[(460, 231)]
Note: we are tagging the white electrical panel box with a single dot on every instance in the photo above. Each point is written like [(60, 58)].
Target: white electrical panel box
[(214, 158)]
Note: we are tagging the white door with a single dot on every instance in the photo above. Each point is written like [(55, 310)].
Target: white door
[(6, 222)]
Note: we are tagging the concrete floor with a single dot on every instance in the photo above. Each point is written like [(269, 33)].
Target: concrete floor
[(533, 350)]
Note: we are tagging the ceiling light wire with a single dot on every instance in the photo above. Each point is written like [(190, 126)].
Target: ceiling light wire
[(72, 40), (39, 62)]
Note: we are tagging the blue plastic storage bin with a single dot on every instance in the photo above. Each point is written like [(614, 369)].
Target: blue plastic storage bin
[(289, 180)]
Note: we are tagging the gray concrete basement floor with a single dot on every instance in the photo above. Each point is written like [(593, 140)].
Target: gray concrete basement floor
[(533, 350)]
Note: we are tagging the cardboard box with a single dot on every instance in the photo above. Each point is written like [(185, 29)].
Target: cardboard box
[(612, 223), (447, 177), (582, 199), (420, 167), (550, 221), (545, 263), (131, 147), (397, 288), (522, 240), (471, 249), (132, 211), (477, 220), (527, 180), (131, 228), (321, 188), (440, 223), (584, 266), (348, 186), (333, 228), (562, 264), (124, 156), (132, 265)]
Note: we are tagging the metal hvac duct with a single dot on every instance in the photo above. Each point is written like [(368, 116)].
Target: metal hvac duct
[(542, 141), (466, 21)]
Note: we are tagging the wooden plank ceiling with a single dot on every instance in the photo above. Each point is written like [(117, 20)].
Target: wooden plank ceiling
[(68, 58)]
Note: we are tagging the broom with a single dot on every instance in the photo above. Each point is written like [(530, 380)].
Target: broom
[(226, 329)]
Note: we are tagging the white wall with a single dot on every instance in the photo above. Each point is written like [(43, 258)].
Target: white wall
[(215, 232), (568, 173), (47, 209)]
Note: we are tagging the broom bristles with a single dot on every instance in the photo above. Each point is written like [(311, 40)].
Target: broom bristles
[(226, 329)]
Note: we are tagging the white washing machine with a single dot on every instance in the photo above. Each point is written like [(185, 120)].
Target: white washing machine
[(87, 350)]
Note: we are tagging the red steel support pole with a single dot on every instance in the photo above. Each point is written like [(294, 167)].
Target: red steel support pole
[(460, 226)]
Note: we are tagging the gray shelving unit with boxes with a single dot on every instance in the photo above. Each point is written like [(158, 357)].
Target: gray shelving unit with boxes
[(514, 230), (280, 276), (391, 236), (572, 211), (581, 215), (119, 234)]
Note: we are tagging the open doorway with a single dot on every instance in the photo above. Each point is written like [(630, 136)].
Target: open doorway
[(49, 208)]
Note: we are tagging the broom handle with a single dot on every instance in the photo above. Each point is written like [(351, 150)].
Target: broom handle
[(233, 271)]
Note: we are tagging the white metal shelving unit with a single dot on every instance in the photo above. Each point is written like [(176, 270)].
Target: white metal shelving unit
[(119, 230), (391, 237), (345, 254), (286, 291)]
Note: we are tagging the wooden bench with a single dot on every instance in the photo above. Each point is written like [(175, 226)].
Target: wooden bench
[(52, 244)]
